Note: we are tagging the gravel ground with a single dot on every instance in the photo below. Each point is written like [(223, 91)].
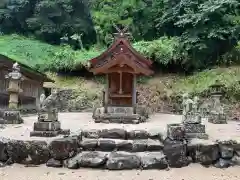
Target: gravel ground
[(192, 172), (158, 122)]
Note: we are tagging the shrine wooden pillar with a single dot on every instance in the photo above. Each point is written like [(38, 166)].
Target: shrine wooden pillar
[(134, 93), (106, 94)]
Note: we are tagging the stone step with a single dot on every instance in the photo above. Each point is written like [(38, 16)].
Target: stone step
[(121, 133), (116, 160), (71, 152), (139, 145)]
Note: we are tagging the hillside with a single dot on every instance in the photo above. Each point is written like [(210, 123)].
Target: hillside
[(45, 57), (162, 92)]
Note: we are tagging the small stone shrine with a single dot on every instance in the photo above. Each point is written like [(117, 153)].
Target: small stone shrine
[(191, 126), (48, 124), (12, 114), (121, 64), (192, 119), (217, 115)]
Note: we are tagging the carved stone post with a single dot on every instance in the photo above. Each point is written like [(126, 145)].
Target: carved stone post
[(12, 115)]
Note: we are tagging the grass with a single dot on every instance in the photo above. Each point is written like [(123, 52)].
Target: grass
[(172, 84), (156, 92), (43, 56), (200, 82)]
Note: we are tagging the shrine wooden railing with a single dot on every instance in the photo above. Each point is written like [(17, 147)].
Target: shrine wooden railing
[(104, 104)]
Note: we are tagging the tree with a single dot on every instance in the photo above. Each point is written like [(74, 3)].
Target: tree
[(13, 15), (54, 18), (207, 28)]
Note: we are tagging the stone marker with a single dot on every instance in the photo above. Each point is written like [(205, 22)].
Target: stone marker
[(217, 115), (48, 124), (192, 119), (12, 114), (191, 126)]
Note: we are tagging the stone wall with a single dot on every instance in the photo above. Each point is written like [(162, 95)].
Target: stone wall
[(134, 151)]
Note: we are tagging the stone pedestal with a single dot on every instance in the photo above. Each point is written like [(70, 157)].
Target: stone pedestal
[(124, 115), (193, 127), (196, 130), (192, 119), (48, 129), (217, 118), (11, 117), (176, 131), (48, 125)]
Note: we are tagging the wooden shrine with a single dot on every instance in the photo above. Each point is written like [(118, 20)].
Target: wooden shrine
[(121, 64)]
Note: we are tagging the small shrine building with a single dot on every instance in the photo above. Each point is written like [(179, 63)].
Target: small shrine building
[(121, 64)]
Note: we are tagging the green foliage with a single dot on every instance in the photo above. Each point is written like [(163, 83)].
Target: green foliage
[(231, 57), (43, 56), (163, 50), (207, 28), (49, 20), (201, 33), (137, 14), (200, 82)]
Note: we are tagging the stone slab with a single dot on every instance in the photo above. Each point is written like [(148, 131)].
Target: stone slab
[(193, 119), (194, 128), (175, 131), (119, 120), (12, 117), (47, 126), (49, 133), (196, 135), (44, 133), (217, 118)]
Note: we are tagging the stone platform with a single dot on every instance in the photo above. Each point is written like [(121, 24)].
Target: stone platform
[(120, 146), (120, 115), (48, 129)]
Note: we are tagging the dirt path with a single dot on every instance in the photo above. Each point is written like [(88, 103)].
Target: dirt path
[(192, 172)]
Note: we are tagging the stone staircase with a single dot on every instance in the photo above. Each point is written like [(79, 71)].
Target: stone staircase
[(118, 149), (121, 140)]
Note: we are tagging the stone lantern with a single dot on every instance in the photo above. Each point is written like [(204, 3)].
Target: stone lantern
[(12, 114), (217, 115)]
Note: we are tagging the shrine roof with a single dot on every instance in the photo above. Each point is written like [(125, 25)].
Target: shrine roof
[(29, 72), (121, 45)]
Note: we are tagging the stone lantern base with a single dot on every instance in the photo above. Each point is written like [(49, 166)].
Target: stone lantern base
[(48, 129), (48, 126), (11, 117), (217, 118)]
